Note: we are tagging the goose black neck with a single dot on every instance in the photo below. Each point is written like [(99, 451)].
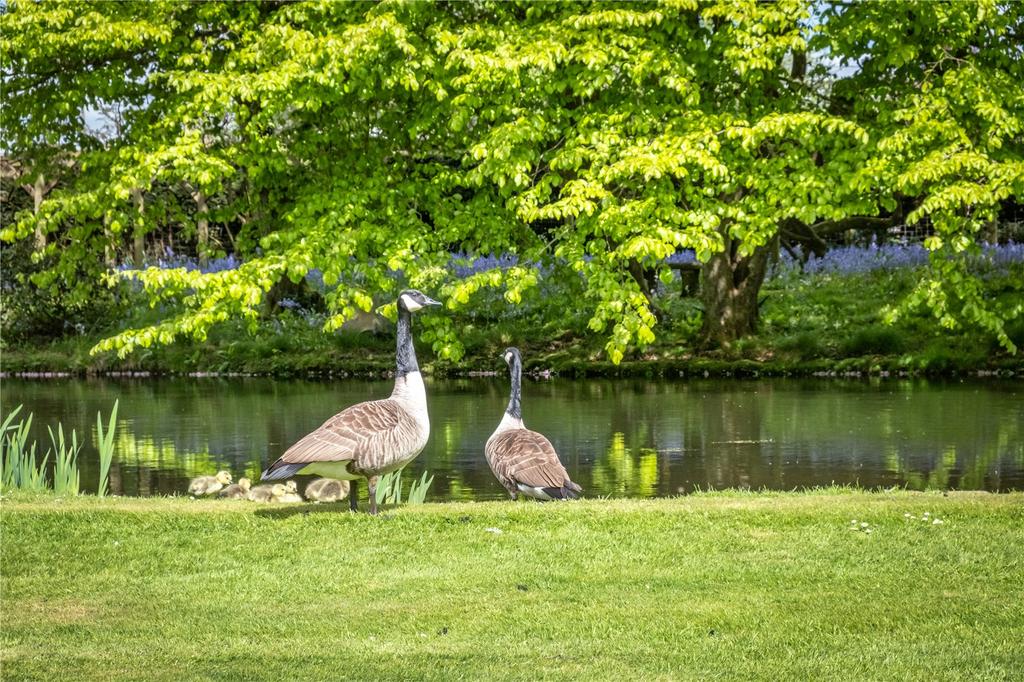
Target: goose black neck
[(405, 353), (515, 370)]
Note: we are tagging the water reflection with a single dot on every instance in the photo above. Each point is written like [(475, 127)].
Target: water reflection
[(621, 473), (617, 438)]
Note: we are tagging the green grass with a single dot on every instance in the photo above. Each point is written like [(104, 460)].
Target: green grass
[(711, 586)]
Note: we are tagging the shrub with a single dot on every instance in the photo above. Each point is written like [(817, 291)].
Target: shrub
[(875, 340), (805, 344)]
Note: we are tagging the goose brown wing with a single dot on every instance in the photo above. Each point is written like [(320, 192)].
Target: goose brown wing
[(342, 436), (528, 457)]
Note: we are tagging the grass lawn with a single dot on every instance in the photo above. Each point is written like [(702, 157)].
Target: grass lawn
[(720, 585)]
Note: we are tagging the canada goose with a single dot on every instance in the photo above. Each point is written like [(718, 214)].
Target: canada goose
[(285, 493), (208, 485), (524, 461), (237, 491), (327, 490), (372, 438), (261, 493)]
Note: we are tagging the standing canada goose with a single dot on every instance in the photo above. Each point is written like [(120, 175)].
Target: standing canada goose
[(326, 490), (524, 461), (285, 493), (372, 438), (208, 485), (237, 491)]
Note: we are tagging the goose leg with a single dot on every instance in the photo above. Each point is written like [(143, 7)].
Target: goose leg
[(353, 496), (371, 485)]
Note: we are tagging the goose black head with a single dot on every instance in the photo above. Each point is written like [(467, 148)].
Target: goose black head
[(511, 355), (412, 300)]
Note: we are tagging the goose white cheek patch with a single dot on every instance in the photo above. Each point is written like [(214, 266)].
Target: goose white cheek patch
[(410, 305)]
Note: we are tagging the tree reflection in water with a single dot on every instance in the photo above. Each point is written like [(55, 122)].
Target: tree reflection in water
[(634, 438)]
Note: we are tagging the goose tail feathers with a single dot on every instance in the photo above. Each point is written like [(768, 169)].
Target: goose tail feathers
[(279, 470), (569, 491)]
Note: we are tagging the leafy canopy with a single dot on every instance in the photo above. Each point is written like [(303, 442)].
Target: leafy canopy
[(368, 139)]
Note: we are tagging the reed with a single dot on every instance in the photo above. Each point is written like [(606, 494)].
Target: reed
[(8, 419), (418, 489), (65, 464), (105, 444), (389, 488), (5, 469), (18, 466)]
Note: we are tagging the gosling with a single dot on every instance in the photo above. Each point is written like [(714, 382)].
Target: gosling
[(208, 485), (261, 493), (237, 491), (327, 490), (285, 493)]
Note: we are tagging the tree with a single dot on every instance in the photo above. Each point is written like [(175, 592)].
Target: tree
[(938, 86), (365, 140), (649, 128)]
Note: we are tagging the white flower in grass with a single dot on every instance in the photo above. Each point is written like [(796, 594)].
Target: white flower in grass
[(927, 513), (853, 521), (906, 515), (936, 522), (864, 524), (867, 530)]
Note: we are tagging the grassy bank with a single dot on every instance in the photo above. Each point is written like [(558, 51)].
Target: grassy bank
[(326, 358), (311, 353), (809, 324), (724, 585)]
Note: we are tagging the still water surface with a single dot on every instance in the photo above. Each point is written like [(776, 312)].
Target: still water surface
[(619, 438)]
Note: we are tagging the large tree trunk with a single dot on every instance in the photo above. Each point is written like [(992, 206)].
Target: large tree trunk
[(729, 288)]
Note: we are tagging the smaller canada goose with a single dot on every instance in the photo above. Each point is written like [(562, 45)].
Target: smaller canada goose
[(285, 493), (261, 493), (237, 491), (208, 485), (327, 490), (524, 461)]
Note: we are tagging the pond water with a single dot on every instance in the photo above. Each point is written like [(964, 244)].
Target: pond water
[(619, 438)]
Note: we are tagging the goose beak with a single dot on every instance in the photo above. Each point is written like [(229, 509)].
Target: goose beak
[(429, 301)]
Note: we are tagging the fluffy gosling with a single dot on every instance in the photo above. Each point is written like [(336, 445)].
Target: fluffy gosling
[(237, 491), (285, 493), (208, 485), (261, 493), (327, 490)]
